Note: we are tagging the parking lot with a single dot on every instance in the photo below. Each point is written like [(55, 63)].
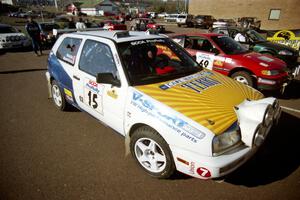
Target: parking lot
[(48, 154)]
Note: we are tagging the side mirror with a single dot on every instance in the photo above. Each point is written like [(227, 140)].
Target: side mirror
[(108, 78), (215, 51)]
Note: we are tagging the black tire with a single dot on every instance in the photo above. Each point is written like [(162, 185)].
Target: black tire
[(243, 77), (58, 97), (155, 151), (178, 25)]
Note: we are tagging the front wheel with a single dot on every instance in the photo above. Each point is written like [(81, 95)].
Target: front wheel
[(152, 153), (243, 77)]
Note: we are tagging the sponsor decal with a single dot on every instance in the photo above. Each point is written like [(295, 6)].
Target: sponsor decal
[(185, 79), (218, 63), (68, 94), (112, 94), (69, 58), (178, 125), (192, 168), (205, 173), (139, 42), (93, 86), (287, 38)]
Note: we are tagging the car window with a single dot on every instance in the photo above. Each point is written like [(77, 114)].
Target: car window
[(68, 49), (229, 45), (199, 43), (96, 57)]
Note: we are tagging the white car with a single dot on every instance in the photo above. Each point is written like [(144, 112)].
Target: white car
[(11, 38), (173, 114)]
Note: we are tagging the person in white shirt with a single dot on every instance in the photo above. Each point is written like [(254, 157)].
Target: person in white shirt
[(80, 24), (240, 38)]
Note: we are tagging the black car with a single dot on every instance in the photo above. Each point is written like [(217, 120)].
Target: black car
[(256, 42), (204, 21)]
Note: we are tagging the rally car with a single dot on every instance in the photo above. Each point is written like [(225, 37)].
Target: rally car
[(168, 108), (226, 56), (256, 42)]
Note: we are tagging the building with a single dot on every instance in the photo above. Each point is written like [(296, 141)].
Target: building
[(274, 14), (108, 7)]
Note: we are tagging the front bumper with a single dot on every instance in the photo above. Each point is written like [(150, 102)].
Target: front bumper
[(272, 84), (207, 167)]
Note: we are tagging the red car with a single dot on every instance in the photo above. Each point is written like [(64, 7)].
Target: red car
[(222, 54), (113, 25), (143, 24)]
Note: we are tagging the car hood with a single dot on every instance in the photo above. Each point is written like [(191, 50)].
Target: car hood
[(253, 59), (276, 46), (207, 97), (4, 35)]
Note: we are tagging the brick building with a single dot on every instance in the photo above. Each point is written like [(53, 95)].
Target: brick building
[(274, 14)]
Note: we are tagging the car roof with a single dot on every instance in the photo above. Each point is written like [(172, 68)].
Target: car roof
[(198, 34), (120, 36)]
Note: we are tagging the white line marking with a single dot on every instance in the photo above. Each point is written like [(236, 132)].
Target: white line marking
[(290, 109)]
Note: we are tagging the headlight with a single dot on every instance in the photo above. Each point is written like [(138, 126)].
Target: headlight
[(268, 116), (285, 53), (270, 72), (223, 142)]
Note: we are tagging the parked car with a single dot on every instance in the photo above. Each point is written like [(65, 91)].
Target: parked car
[(224, 23), (258, 43), (249, 22), (204, 21), (11, 38), (171, 17), (143, 24), (175, 116), (47, 36), (184, 19), (113, 25), (223, 54)]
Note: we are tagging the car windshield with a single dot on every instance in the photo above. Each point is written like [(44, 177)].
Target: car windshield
[(7, 29), (155, 60), (229, 45), (255, 36)]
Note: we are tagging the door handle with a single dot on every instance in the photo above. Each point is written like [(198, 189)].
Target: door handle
[(76, 77)]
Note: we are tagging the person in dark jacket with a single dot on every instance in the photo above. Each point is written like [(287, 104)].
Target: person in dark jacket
[(34, 31)]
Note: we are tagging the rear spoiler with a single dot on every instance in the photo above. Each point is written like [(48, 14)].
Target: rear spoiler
[(58, 32)]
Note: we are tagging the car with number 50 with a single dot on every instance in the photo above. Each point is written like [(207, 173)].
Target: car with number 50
[(223, 54), (168, 108)]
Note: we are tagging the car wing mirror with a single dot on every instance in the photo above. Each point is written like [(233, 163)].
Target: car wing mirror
[(108, 78)]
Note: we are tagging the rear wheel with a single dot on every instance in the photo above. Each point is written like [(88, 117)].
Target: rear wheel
[(243, 77), (58, 97), (152, 153)]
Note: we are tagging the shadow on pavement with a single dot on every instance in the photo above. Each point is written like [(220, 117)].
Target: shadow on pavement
[(22, 71), (276, 159)]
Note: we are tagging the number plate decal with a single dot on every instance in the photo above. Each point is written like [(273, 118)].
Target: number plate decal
[(205, 60), (93, 95)]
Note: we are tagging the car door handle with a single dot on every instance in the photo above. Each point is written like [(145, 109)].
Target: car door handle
[(76, 77)]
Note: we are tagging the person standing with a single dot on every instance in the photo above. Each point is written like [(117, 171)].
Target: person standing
[(34, 32), (80, 25)]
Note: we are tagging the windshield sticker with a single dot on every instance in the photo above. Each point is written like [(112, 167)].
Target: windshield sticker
[(265, 58), (139, 42), (178, 125), (197, 82)]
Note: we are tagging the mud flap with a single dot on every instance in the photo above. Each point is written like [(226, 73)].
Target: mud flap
[(48, 85), (127, 145)]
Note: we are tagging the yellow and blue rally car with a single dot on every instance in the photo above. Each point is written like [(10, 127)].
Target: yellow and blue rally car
[(174, 114)]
